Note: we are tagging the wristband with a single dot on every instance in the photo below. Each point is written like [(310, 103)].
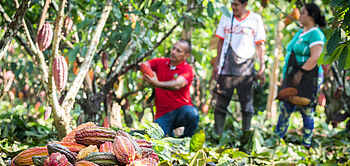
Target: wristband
[(303, 70)]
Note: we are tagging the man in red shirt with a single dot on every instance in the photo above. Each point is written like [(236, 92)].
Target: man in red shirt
[(172, 82)]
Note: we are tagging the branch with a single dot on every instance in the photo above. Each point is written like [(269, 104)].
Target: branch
[(43, 14), (286, 14), (13, 27), (73, 91)]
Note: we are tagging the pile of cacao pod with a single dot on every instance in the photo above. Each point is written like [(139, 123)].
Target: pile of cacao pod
[(91, 145)]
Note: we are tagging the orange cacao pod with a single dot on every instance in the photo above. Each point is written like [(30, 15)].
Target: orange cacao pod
[(104, 60), (44, 36), (94, 135), (84, 152), (286, 92), (85, 163), (70, 137), (75, 68), (72, 146), (60, 72), (300, 101), (25, 157), (107, 147), (124, 149), (296, 13), (146, 70)]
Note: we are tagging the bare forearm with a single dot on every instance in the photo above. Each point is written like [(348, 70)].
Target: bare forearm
[(219, 48), (315, 52), (261, 55)]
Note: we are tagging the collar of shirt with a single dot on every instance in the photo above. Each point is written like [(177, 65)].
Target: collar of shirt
[(175, 67)]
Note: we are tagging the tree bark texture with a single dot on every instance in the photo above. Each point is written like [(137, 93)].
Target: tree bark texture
[(13, 27)]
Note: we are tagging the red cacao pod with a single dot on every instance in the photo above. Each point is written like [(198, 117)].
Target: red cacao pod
[(70, 137), (60, 72), (44, 36), (57, 159), (107, 147), (124, 149), (286, 92), (146, 70), (25, 157), (104, 59)]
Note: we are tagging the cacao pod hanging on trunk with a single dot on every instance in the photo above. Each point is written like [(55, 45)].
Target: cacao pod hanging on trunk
[(264, 3), (60, 72), (104, 59), (44, 36), (68, 23)]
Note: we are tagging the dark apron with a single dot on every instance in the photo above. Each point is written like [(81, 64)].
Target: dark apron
[(308, 84)]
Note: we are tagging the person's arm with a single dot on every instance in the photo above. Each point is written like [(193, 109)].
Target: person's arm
[(177, 84), (260, 50), (315, 53), (217, 59)]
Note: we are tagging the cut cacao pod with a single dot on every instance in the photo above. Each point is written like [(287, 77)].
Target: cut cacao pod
[(137, 148), (60, 72), (102, 158), (286, 92), (58, 148), (299, 101), (146, 70), (25, 157), (44, 36), (95, 135)]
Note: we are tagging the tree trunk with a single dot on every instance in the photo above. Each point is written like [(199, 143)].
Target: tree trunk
[(13, 28), (271, 106)]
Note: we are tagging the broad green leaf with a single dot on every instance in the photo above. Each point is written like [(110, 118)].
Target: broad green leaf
[(225, 11), (333, 42), (347, 65), (210, 9), (342, 58), (197, 141), (158, 15), (239, 154), (200, 158), (334, 56), (83, 51), (73, 53)]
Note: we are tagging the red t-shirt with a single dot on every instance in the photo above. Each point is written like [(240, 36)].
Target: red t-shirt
[(168, 100)]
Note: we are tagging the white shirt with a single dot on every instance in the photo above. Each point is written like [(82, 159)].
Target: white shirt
[(246, 33)]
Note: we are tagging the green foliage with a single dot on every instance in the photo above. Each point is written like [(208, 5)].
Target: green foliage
[(197, 141)]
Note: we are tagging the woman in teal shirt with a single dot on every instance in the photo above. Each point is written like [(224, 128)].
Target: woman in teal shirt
[(302, 72)]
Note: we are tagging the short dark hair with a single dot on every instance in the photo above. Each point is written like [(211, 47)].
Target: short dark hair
[(241, 1), (315, 12), (189, 47)]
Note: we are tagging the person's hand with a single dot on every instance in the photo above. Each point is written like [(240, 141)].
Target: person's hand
[(297, 78), (261, 76), (152, 80)]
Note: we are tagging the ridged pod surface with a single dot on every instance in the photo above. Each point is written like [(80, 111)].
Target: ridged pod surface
[(39, 160), (85, 163), (143, 162), (300, 101), (124, 149), (107, 147), (94, 135), (72, 146), (60, 72), (138, 150), (25, 157), (102, 158), (58, 148), (286, 92), (57, 159), (144, 143), (84, 152), (146, 70), (44, 36), (70, 137), (68, 23)]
